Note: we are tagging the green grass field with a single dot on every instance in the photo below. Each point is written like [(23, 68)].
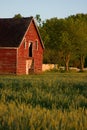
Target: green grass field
[(49, 101)]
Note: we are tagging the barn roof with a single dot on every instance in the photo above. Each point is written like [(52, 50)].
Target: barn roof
[(12, 31)]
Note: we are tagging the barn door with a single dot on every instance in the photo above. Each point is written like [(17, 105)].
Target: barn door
[(29, 66)]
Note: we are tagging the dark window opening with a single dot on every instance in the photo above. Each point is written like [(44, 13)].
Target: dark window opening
[(30, 50), (24, 44), (36, 45)]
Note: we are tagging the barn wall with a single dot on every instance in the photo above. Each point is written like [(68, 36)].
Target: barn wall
[(21, 60), (32, 35), (7, 61), (23, 57)]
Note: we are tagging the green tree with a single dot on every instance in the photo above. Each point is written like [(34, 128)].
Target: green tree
[(17, 16), (81, 38), (38, 20), (66, 45), (66, 39), (79, 31), (66, 48), (50, 32)]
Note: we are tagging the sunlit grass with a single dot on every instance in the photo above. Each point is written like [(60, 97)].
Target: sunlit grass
[(49, 101)]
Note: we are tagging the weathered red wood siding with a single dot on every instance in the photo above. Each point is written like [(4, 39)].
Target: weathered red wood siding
[(22, 53), (21, 60), (7, 61)]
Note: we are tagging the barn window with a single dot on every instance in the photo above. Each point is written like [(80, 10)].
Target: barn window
[(36, 44), (30, 49), (25, 43)]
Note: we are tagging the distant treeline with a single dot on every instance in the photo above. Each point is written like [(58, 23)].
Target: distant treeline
[(65, 40)]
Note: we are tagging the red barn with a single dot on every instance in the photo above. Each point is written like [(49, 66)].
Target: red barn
[(21, 47)]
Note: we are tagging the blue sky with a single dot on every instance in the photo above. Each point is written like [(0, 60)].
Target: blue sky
[(46, 8)]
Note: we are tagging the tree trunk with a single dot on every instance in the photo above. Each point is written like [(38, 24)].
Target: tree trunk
[(82, 63), (67, 59)]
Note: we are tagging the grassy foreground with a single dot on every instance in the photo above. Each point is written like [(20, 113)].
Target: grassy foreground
[(51, 101)]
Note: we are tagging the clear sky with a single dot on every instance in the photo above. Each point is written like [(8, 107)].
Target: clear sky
[(46, 8)]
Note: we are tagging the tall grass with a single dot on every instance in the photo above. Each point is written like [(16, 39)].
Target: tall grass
[(51, 101), (24, 117)]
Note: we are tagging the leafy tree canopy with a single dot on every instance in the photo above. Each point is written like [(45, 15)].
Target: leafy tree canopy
[(17, 16), (67, 36)]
